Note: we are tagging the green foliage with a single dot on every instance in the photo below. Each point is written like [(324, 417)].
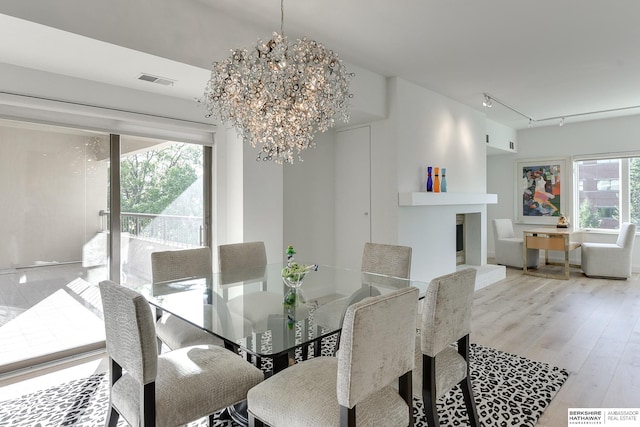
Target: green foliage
[(158, 181), (634, 179), (589, 216)]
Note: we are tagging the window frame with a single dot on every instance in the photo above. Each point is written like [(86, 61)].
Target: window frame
[(624, 187)]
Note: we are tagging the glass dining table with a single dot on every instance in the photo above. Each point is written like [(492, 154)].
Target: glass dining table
[(259, 316)]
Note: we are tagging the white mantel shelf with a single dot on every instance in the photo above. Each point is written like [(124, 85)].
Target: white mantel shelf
[(444, 199)]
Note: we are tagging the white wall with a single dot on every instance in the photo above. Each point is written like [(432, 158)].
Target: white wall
[(432, 130), (308, 189), (617, 135)]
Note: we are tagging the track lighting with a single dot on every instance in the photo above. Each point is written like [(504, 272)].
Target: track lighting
[(489, 99)]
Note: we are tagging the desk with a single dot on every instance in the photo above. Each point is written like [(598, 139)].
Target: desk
[(247, 308), (549, 239)]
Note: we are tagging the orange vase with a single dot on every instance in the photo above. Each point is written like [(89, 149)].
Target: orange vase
[(436, 180)]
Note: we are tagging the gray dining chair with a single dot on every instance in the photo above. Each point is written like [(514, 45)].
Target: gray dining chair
[(356, 387), (175, 265), (246, 262), (445, 320), (378, 259), (172, 389)]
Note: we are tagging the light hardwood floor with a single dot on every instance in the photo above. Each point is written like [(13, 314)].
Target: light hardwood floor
[(591, 327)]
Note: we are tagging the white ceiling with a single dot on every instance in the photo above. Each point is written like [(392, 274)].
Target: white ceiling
[(545, 58)]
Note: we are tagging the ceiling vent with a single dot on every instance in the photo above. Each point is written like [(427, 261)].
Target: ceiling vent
[(155, 79)]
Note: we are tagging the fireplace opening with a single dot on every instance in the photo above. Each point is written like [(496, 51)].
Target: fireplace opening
[(460, 255)]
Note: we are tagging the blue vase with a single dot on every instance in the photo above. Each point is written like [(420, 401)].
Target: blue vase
[(443, 180), (429, 180)]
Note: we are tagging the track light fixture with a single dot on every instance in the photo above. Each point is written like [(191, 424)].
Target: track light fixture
[(489, 99)]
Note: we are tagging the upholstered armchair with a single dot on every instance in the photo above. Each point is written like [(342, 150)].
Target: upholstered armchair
[(175, 388), (509, 247), (175, 265), (610, 259), (445, 320), (354, 388)]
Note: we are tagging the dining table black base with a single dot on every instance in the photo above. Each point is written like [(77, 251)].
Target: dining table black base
[(237, 413)]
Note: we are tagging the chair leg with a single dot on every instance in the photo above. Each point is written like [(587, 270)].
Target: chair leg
[(405, 388), (469, 402), (254, 422), (115, 372), (467, 391), (347, 416), (112, 418), (429, 395)]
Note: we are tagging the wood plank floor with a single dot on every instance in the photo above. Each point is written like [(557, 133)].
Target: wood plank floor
[(591, 327)]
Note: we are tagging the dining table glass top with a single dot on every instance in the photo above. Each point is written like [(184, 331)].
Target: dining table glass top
[(255, 310)]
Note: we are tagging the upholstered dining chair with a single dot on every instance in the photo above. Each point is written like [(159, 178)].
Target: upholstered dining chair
[(509, 247), (175, 388), (356, 387), (377, 258), (611, 260), (247, 261), (175, 265), (445, 320)]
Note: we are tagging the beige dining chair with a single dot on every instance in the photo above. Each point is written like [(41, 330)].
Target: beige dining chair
[(377, 258), (173, 389), (175, 265), (610, 260), (247, 262), (354, 388), (445, 320)]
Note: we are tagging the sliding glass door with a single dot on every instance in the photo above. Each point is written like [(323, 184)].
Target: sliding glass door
[(57, 188), (162, 202), (53, 186)]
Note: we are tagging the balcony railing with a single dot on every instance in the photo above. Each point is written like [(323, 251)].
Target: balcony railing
[(187, 230)]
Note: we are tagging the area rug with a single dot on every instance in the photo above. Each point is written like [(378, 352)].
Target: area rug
[(509, 390)]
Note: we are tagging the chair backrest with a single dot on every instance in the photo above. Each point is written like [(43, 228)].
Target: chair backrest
[(627, 235), (180, 264), (238, 256), (502, 229), (377, 344), (446, 312), (130, 331), (390, 260)]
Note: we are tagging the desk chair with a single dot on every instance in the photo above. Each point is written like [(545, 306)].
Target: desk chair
[(172, 389), (446, 319), (355, 387), (175, 265)]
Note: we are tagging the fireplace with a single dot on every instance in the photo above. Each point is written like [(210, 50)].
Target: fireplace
[(460, 231)]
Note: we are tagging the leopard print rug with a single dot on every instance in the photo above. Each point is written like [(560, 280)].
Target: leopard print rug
[(508, 389)]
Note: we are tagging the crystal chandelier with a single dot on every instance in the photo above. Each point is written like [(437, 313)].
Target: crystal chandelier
[(279, 95)]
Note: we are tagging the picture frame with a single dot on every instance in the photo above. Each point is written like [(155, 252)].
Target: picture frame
[(541, 190)]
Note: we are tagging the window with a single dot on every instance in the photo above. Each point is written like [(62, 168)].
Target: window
[(608, 192), (607, 184)]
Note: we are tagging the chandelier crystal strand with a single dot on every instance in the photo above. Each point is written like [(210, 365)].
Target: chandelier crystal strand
[(279, 95)]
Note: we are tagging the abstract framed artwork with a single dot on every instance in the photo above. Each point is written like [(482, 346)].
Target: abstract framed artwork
[(540, 190)]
